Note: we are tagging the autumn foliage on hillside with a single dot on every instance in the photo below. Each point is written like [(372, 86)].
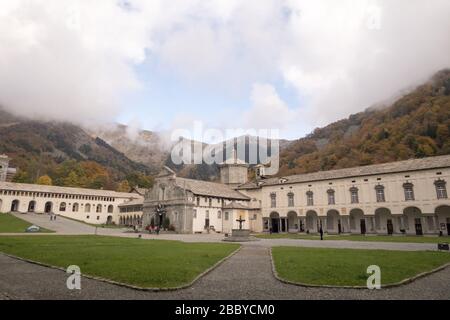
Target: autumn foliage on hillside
[(415, 126)]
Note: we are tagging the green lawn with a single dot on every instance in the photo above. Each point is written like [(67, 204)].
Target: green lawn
[(12, 224), (396, 238), (347, 267), (144, 263)]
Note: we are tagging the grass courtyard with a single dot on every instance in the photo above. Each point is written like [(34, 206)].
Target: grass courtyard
[(12, 224), (144, 263), (379, 238), (347, 267)]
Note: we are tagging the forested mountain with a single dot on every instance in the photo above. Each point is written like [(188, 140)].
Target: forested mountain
[(416, 125), (66, 154)]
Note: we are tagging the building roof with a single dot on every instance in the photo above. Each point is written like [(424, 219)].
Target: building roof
[(377, 169), (134, 202), (236, 205), (54, 189), (210, 189)]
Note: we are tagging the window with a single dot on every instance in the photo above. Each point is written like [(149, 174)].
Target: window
[(331, 198), (210, 202), (227, 215), (75, 207), (219, 214), (207, 214), (62, 206), (99, 208), (309, 198), (409, 191), (98, 217), (273, 200), (379, 190), (354, 195), (87, 208), (195, 213), (441, 190), (290, 199), (198, 201)]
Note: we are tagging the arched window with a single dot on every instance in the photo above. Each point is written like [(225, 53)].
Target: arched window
[(290, 199), (309, 198), (273, 200), (62, 206), (110, 208), (99, 208), (87, 208), (441, 189), (331, 197), (219, 214), (408, 188), (379, 190), (75, 207), (354, 198)]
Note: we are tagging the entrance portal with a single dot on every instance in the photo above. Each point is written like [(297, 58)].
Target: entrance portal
[(275, 225), (15, 206), (363, 226), (390, 227), (48, 207), (418, 226)]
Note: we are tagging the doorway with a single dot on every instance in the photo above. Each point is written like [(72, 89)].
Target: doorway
[(418, 226), (363, 226), (448, 226), (15, 206), (275, 225), (48, 207), (31, 206), (390, 227)]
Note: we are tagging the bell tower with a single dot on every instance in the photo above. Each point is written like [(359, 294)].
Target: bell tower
[(233, 171)]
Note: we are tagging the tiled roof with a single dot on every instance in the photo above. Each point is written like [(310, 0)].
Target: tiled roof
[(54, 189), (134, 202), (390, 167), (210, 189), (236, 205)]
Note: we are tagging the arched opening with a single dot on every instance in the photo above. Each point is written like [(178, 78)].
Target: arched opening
[(293, 224), (312, 222), (75, 207), (48, 207), (443, 219), (32, 206), (275, 222), (357, 221), (110, 208), (62, 207), (384, 222), (15, 206), (99, 208), (412, 217), (334, 222), (87, 208), (109, 220)]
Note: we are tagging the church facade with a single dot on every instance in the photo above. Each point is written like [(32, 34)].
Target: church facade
[(404, 197)]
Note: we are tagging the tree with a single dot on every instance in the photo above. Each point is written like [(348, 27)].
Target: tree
[(72, 180), (123, 186), (44, 180)]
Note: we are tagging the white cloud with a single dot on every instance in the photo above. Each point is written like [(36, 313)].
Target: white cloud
[(75, 59)]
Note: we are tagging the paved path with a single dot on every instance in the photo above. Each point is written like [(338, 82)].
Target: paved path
[(246, 275), (67, 226)]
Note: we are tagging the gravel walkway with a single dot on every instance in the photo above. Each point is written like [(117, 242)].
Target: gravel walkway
[(246, 275)]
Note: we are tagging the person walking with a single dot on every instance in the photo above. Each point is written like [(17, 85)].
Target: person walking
[(321, 233)]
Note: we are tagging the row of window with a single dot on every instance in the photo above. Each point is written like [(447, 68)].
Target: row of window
[(87, 208), (54, 195), (219, 215), (209, 201), (408, 188), (139, 208)]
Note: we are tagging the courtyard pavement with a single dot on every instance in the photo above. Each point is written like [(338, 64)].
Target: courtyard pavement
[(246, 275)]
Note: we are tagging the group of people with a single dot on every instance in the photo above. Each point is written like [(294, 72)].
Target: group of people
[(52, 216), (153, 229)]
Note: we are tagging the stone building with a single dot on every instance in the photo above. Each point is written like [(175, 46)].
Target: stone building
[(404, 197), (6, 172), (88, 205)]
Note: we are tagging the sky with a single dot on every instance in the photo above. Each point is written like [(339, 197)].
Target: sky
[(289, 65)]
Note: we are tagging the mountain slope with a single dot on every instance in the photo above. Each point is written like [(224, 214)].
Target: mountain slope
[(38, 148), (416, 125)]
